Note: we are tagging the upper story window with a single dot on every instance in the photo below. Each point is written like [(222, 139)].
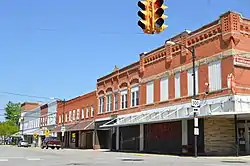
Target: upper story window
[(101, 105), (109, 102), (214, 75), (62, 117), (74, 115), (78, 114), (134, 96), (124, 99), (190, 81), (66, 117), (177, 85), (164, 89), (70, 116), (150, 92), (82, 113), (92, 111), (116, 101), (87, 112)]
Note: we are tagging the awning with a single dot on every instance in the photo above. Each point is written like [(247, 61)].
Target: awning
[(58, 128), (31, 131), (83, 125), (217, 106), (18, 134)]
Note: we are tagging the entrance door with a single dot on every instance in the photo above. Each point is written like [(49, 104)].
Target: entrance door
[(242, 140)]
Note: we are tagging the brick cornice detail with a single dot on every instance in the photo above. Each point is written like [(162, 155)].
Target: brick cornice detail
[(199, 62)]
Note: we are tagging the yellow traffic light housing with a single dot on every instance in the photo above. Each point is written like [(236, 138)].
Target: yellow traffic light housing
[(145, 15), (158, 16)]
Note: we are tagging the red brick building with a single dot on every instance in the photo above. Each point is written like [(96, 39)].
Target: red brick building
[(148, 104), (77, 115), (27, 106), (118, 94)]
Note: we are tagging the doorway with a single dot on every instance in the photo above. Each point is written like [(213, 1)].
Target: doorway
[(244, 136)]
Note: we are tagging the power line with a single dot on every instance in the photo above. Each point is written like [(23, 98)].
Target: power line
[(25, 95)]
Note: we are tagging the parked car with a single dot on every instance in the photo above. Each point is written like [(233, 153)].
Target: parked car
[(51, 142), (23, 143)]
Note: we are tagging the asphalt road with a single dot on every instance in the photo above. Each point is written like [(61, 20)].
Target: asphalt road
[(10, 156)]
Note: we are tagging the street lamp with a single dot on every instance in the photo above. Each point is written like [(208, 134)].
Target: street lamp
[(63, 101), (192, 50)]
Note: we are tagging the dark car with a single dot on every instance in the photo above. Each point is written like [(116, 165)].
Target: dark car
[(51, 142)]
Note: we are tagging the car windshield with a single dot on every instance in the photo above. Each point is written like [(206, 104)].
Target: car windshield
[(53, 138)]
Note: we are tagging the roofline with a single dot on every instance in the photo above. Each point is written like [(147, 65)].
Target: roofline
[(81, 96), (119, 70)]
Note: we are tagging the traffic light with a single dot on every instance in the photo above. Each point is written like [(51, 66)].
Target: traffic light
[(158, 16), (145, 14)]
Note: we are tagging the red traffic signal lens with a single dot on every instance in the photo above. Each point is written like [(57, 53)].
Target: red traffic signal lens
[(158, 3)]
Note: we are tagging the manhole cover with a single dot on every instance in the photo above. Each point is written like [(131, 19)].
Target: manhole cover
[(234, 161), (130, 159), (76, 164)]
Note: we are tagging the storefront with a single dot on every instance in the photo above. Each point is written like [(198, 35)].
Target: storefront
[(129, 138), (163, 137), (102, 136), (169, 129), (244, 135)]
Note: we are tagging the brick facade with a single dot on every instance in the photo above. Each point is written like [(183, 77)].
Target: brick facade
[(44, 115), (84, 102), (216, 41), (118, 80), (219, 135), (28, 106)]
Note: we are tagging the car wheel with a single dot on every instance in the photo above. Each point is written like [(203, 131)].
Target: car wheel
[(52, 147), (58, 148)]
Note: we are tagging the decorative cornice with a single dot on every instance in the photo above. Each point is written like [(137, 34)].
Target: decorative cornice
[(199, 62)]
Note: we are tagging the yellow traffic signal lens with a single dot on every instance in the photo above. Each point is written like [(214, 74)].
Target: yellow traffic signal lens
[(159, 12)]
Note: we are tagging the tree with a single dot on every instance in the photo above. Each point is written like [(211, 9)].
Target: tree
[(13, 112), (8, 128)]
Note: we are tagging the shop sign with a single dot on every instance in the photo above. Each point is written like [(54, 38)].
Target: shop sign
[(241, 61)]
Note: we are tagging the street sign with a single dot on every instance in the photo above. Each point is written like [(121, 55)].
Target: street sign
[(197, 110), (35, 135), (195, 102), (63, 129), (196, 122), (47, 132), (196, 131)]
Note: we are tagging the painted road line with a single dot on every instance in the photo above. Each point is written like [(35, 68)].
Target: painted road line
[(3, 160), (217, 165), (33, 159)]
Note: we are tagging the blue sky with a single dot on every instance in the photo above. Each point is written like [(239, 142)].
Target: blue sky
[(59, 48)]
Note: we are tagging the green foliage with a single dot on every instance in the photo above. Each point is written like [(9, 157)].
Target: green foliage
[(13, 112), (8, 128)]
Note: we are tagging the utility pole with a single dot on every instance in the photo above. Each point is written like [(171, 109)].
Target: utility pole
[(63, 127), (194, 102)]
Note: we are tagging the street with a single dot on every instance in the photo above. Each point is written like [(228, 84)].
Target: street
[(10, 156)]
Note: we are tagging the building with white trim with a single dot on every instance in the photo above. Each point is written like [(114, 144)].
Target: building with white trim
[(146, 106)]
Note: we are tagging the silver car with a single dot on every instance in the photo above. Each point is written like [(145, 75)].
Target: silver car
[(23, 144)]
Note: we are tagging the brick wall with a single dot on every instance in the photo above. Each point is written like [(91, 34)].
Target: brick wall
[(219, 135)]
